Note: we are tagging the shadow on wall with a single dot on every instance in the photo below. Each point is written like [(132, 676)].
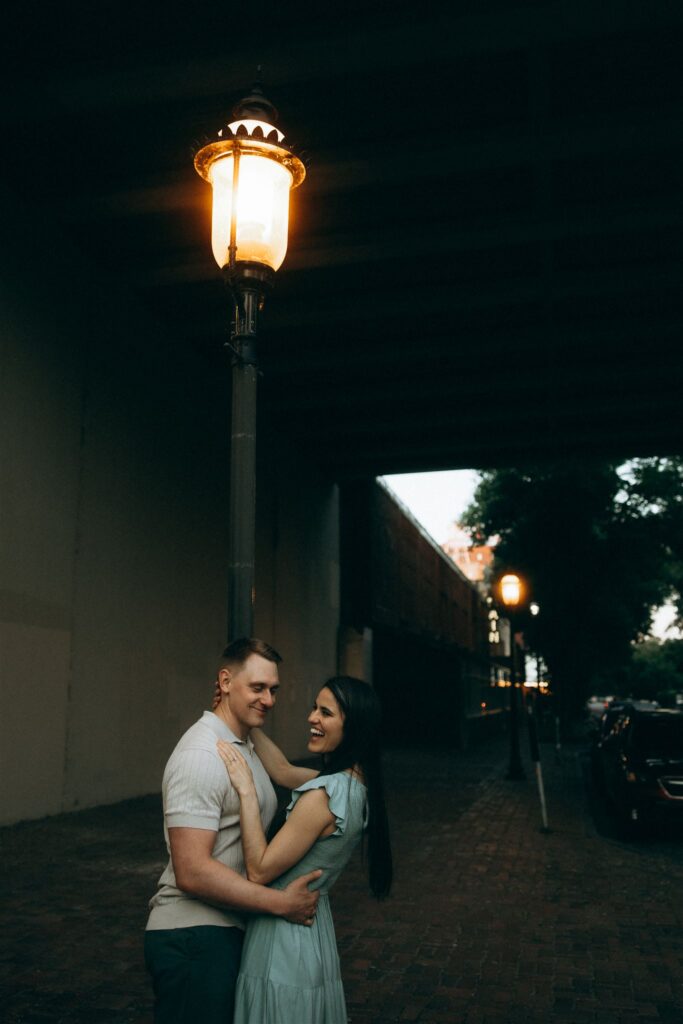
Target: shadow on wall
[(419, 686)]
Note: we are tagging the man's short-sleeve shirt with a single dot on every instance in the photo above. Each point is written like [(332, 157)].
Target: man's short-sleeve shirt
[(197, 793)]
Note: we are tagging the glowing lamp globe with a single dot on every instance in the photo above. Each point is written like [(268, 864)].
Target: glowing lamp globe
[(252, 172), (510, 590)]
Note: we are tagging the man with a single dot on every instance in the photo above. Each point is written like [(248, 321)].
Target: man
[(195, 929)]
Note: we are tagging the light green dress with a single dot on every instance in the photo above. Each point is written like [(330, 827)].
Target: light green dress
[(290, 973)]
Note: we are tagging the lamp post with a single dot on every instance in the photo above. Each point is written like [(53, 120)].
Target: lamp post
[(252, 172), (510, 589)]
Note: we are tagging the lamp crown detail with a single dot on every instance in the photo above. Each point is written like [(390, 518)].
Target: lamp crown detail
[(251, 129), (255, 106)]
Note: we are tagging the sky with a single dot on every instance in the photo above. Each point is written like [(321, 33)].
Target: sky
[(662, 623), (437, 499)]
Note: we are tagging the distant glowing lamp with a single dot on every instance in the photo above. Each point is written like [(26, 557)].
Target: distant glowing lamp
[(534, 608), (510, 590)]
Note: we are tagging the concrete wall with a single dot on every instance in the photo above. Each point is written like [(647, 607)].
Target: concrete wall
[(113, 458), (297, 585)]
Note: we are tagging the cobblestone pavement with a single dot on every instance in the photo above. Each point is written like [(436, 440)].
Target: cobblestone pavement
[(490, 922)]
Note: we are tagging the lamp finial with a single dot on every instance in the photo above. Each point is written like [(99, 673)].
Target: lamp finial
[(256, 105)]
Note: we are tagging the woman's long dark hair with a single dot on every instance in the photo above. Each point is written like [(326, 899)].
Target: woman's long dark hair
[(360, 746)]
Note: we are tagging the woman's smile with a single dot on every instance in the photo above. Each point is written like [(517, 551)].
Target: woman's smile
[(327, 723)]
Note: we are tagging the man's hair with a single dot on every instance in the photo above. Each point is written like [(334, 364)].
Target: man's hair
[(237, 652)]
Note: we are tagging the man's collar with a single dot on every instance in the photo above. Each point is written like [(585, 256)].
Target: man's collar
[(223, 730)]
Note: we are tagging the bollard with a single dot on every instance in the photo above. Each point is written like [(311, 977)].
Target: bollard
[(536, 758)]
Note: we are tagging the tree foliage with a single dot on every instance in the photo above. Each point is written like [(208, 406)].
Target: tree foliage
[(657, 671), (600, 545)]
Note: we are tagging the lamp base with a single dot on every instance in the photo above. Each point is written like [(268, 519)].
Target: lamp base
[(249, 283)]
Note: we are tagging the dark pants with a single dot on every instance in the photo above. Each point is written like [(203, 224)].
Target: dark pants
[(194, 971)]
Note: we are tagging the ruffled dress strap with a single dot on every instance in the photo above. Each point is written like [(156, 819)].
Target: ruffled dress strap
[(338, 789)]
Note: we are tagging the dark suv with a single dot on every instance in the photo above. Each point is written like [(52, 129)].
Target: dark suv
[(616, 709), (641, 761)]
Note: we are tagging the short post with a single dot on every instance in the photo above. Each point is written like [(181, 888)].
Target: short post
[(558, 729), (515, 769), (536, 758)]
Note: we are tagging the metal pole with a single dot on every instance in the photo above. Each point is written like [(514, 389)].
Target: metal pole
[(248, 284), (541, 796), (515, 769), (558, 728), (534, 751), (242, 505)]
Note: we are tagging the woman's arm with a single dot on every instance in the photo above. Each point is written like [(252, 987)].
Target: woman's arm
[(310, 819), (276, 764)]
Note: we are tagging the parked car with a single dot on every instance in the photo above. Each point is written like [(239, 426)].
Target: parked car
[(596, 706), (617, 709), (599, 733), (641, 764)]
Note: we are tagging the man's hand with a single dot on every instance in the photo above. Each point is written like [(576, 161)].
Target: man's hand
[(303, 903)]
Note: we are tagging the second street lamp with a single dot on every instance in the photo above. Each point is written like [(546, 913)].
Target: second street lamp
[(252, 172), (510, 590)]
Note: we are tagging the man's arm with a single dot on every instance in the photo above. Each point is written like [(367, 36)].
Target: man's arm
[(201, 875), (276, 764)]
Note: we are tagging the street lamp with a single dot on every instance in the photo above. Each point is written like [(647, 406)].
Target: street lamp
[(510, 591), (252, 172)]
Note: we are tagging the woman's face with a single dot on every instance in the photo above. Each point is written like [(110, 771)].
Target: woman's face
[(327, 723)]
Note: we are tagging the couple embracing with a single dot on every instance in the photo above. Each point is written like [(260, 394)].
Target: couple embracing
[(223, 875)]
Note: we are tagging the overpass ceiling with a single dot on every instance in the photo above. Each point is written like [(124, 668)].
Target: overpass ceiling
[(485, 261)]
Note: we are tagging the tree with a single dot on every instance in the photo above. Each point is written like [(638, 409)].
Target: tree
[(600, 545), (656, 671)]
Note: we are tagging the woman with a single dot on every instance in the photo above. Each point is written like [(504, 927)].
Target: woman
[(290, 973)]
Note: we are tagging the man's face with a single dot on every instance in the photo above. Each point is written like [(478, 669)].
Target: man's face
[(248, 693)]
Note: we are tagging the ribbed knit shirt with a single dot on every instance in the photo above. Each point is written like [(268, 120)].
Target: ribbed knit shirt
[(198, 793)]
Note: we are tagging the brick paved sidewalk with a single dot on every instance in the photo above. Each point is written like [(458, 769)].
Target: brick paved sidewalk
[(490, 922)]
